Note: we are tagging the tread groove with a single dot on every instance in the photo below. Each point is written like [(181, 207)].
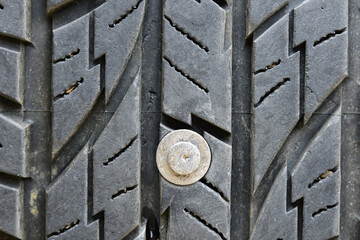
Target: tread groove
[(211, 128), (132, 234), (175, 124), (10, 104), (7, 236), (298, 204), (221, 3), (267, 23), (198, 125)]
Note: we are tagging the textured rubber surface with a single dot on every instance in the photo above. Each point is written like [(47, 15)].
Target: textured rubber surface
[(86, 74), (14, 137), (89, 87), (196, 41), (296, 172)]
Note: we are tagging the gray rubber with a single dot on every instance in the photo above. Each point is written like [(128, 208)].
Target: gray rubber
[(114, 151), (89, 87), (196, 33), (296, 66), (14, 137)]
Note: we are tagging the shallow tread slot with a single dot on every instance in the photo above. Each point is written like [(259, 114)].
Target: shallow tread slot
[(64, 229), (328, 36), (323, 175), (271, 91), (123, 191), (67, 56), (324, 209), (186, 75), (122, 17), (268, 67), (70, 89), (187, 35), (208, 225), (214, 188), (121, 151)]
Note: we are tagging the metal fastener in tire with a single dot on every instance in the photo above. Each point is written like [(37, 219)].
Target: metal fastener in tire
[(183, 157)]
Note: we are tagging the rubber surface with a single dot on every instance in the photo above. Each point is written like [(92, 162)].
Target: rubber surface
[(88, 88)]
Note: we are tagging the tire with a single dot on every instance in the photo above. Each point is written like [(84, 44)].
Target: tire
[(89, 88)]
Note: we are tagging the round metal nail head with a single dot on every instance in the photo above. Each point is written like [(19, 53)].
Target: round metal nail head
[(183, 157)]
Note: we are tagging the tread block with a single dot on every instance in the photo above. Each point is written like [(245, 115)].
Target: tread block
[(274, 221), (124, 206), (117, 27), (276, 95), (192, 226), (259, 10), (219, 178), (10, 210), (180, 94), (326, 48), (67, 200), (198, 21), (14, 142), (195, 56), (316, 178), (75, 86), (11, 82), (328, 16), (14, 19), (116, 168)]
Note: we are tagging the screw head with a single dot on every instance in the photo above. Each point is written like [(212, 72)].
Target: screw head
[(183, 157)]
